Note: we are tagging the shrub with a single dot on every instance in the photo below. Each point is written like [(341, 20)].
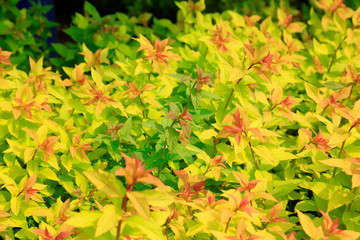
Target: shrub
[(25, 32), (233, 128)]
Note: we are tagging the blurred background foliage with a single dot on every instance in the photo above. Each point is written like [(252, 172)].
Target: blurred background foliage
[(167, 8), (35, 27)]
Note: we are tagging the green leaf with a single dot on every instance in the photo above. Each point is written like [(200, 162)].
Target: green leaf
[(333, 85), (187, 130), (321, 189), (339, 198), (48, 173), (182, 78), (91, 10), (106, 183), (307, 205), (64, 51), (66, 161), (75, 33), (172, 137), (196, 100), (351, 220), (80, 21), (126, 129), (82, 183)]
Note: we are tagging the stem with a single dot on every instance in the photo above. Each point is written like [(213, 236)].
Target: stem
[(20, 193), (253, 156), (118, 230), (306, 81), (265, 226), (143, 106), (188, 101), (354, 192), (35, 154), (123, 207), (190, 213), (227, 225), (215, 143), (274, 107), (341, 150), (233, 89), (324, 110), (164, 148), (334, 55), (118, 136), (207, 169), (166, 229), (302, 149), (228, 100), (351, 90)]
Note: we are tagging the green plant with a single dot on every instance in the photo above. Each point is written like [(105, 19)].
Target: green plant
[(237, 128), (24, 31)]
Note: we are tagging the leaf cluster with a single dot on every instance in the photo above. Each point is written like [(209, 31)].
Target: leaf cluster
[(227, 127)]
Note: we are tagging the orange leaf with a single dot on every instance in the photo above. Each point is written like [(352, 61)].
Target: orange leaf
[(16, 112), (257, 133)]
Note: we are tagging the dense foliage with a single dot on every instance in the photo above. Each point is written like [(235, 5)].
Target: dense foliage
[(219, 126)]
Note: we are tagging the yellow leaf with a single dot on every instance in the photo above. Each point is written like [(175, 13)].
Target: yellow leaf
[(106, 183), (15, 205), (250, 50), (150, 100), (119, 106), (28, 154), (216, 171), (338, 137), (308, 226), (148, 87), (179, 230), (207, 134), (52, 161), (100, 106), (42, 212), (313, 93), (342, 93), (42, 132), (83, 219), (158, 197), (33, 134), (107, 220), (339, 163), (356, 109), (355, 178), (140, 203), (148, 227), (265, 154)]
